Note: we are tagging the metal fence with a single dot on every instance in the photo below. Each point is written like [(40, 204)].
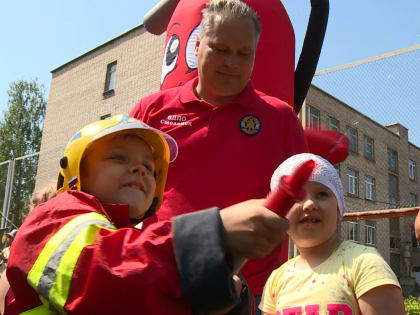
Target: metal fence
[(19, 179)]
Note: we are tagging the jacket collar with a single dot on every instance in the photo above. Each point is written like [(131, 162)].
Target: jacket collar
[(117, 214)]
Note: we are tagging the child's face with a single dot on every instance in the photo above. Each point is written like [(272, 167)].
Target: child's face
[(313, 221), (120, 170)]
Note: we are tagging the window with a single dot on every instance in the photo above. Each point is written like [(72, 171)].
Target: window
[(392, 160), (369, 188), (393, 185), (394, 242), (105, 117), (313, 119), (353, 231), (110, 77), (333, 124), (370, 233), (394, 231), (412, 200), (352, 135), (393, 202), (368, 146), (412, 170), (352, 182)]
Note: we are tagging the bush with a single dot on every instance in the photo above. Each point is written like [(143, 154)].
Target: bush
[(412, 305)]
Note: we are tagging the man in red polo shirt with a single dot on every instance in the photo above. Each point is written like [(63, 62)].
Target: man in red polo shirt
[(231, 137)]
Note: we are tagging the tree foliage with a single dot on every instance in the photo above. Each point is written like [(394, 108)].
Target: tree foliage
[(20, 135)]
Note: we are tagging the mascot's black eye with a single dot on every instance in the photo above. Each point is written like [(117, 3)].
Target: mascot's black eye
[(172, 50), (170, 56)]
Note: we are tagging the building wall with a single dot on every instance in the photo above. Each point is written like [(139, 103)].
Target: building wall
[(77, 90), (394, 137)]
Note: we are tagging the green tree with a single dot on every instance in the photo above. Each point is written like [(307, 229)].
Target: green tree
[(20, 135)]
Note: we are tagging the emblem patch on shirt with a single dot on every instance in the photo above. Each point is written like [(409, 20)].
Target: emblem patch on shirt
[(250, 125)]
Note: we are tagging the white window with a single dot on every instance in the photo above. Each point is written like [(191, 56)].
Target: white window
[(369, 188), (370, 233), (352, 182), (333, 124), (353, 231), (352, 135), (412, 170), (313, 117), (368, 145)]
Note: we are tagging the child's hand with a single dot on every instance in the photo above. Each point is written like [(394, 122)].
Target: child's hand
[(251, 230)]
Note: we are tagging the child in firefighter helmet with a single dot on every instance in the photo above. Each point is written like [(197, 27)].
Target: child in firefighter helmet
[(117, 149), (78, 253)]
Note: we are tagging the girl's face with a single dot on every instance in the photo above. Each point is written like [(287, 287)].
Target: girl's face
[(313, 221)]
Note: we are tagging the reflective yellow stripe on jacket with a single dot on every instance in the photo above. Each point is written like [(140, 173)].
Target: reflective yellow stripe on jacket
[(52, 272)]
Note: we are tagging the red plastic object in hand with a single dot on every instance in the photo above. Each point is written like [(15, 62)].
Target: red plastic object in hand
[(290, 189), (331, 145)]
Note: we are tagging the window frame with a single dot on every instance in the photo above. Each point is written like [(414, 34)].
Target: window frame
[(412, 170), (349, 129), (111, 70), (337, 126), (413, 202), (370, 233), (355, 178), (392, 153), (395, 193), (371, 186), (309, 115), (354, 231), (366, 138)]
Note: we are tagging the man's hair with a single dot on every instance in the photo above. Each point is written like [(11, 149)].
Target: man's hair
[(227, 9)]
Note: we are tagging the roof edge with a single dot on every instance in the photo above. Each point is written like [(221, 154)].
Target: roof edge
[(98, 47)]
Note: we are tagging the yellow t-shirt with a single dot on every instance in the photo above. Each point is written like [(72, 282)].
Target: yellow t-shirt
[(331, 287)]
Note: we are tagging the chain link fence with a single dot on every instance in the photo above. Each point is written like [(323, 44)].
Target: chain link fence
[(375, 103), (19, 179)]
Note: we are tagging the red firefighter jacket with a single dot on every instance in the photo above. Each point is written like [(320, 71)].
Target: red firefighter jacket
[(75, 255)]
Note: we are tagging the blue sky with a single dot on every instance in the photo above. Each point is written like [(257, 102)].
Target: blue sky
[(38, 36)]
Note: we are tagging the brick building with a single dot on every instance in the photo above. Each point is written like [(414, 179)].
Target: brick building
[(110, 79), (380, 172)]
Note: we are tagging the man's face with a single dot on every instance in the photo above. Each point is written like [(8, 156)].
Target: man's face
[(225, 58), (121, 170)]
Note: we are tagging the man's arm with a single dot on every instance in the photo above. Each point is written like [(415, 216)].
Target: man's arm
[(205, 243)]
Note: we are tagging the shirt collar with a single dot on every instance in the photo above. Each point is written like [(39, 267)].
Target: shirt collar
[(246, 98)]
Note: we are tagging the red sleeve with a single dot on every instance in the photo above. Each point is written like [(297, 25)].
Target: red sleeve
[(131, 268)]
